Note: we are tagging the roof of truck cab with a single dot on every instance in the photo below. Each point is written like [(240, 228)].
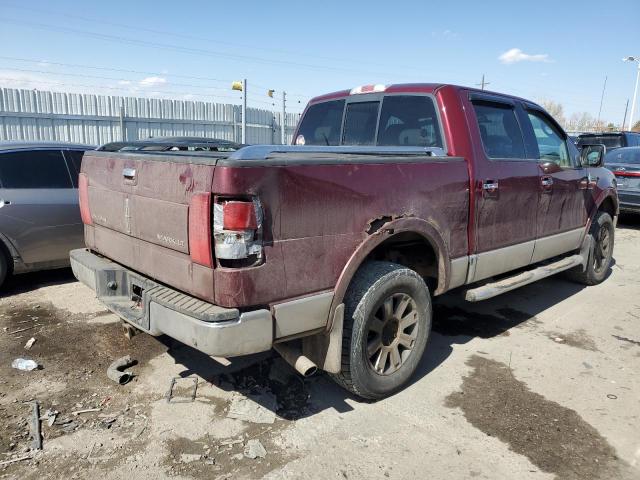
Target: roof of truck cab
[(412, 88), (34, 145)]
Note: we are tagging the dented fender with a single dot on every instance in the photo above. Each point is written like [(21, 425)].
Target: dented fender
[(382, 232)]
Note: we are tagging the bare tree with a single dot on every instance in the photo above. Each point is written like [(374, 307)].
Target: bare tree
[(636, 127), (585, 122), (556, 110)]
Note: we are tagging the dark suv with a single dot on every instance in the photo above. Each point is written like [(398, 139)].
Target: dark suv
[(611, 140)]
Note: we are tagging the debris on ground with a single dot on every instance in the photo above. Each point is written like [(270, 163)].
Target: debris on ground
[(182, 385), (255, 408), (29, 344), (36, 433), (190, 457), (14, 460), (24, 364), (116, 371), (86, 410), (50, 416), (254, 449)]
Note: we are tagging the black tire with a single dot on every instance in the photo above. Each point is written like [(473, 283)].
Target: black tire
[(602, 233), (4, 268), (391, 291)]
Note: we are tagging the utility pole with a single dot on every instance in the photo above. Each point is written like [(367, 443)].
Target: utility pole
[(602, 99), (242, 87), (283, 126), (624, 120), (635, 91), (483, 83), (244, 111)]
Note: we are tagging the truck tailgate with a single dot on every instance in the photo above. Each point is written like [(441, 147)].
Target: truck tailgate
[(139, 207)]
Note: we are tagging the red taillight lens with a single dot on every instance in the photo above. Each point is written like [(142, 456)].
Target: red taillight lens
[(83, 195), (200, 229), (623, 173), (239, 216)]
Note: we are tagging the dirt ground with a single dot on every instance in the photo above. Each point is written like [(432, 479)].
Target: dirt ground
[(539, 383)]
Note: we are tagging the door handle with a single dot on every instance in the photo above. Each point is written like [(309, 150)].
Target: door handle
[(490, 186), (546, 183), (4, 202)]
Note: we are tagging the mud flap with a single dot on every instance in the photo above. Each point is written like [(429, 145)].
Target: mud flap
[(325, 349)]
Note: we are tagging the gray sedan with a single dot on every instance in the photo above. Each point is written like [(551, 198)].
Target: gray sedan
[(39, 213), (625, 165)]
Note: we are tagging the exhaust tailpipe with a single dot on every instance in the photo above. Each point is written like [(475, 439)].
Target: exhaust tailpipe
[(115, 371), (294, 357)]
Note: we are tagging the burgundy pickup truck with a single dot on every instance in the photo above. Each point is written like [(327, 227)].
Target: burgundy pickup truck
[(330, 250)]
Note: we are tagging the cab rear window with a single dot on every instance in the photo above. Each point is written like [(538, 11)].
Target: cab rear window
[(409, 120), (321, 124), (401, 120), (360, 123)]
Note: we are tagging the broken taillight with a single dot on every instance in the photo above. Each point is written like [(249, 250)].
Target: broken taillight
[(83, 198), (237, 229)]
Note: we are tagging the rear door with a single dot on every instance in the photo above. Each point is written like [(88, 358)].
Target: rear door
[(506, 187), (39, 210), (564, 186)]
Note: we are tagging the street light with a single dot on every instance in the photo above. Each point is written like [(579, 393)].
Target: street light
[(635, 91)]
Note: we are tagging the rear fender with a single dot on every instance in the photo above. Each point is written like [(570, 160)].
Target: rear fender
[(424, 228)]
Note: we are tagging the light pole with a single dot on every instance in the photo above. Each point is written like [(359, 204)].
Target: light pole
[(635, 91)]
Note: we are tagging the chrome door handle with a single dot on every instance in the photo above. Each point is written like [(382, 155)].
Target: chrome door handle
[(546, 182), (490, 186), (4, 202), (129, 173)]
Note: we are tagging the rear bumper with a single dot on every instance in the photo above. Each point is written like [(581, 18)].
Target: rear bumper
[(629, 201), (158, 310)]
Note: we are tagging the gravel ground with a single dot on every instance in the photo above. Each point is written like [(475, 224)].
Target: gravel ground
[(538, 383)]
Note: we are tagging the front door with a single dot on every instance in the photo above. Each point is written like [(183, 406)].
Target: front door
[(506, 187), (564, 187)]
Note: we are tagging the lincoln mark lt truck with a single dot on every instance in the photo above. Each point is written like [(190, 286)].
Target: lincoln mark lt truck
[(330, 250)]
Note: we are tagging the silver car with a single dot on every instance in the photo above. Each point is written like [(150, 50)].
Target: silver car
[(39, 212), (625, 165)]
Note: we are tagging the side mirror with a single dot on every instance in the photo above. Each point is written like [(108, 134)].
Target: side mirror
[(592, 155)]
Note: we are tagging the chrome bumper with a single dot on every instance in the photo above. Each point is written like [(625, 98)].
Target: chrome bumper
[(157, 309)]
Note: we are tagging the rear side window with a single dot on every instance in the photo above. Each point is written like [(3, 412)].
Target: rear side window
[(500, 131), (74, 159), (409, 120), (360, 123), (34, 169), (321, 124)]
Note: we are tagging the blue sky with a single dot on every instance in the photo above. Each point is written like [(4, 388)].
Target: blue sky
[(194, 49)]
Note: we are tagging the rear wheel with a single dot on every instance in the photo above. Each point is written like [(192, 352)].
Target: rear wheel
[(387, 325), (602, 234)]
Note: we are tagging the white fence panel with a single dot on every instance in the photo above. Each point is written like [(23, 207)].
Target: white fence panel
[(99, 119)]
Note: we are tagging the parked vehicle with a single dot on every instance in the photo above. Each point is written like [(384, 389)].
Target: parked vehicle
[(331, 252), (174, 144), (39, 215), (625, 165), (611, 140)]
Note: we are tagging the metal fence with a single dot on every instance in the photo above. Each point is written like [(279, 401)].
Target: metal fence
[(98, 119)]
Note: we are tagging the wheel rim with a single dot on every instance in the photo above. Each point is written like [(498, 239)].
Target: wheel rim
[(602, 250), (392, 333)]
